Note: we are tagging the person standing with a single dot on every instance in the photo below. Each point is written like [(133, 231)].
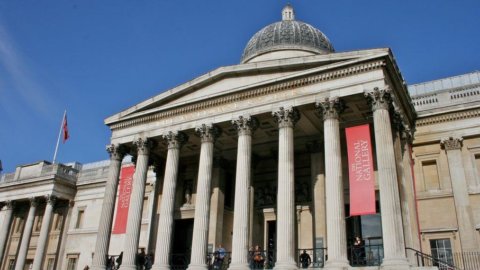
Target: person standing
[(219, 257), (305, 259), (141, 259)]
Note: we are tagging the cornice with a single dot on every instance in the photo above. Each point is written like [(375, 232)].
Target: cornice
[(252, 93), (448, 117)]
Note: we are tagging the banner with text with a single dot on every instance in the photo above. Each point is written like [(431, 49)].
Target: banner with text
[(360, 168), (123, 202)]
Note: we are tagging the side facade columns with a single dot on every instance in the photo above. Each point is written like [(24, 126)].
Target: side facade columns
[(208, 134), (392, 229), (27, 233), (44, 231), (165, 225), (466, 225), (241, 225), (7, 221), (286, 119), (102, 244), (335, 207), (134, 221)]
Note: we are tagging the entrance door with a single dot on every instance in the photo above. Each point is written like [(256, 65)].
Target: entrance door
[(271, 243), (182, 244)]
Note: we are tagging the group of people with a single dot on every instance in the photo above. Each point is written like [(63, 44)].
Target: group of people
[(143, 261)]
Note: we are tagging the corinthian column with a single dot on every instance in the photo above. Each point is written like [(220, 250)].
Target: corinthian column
[(466, 225), (393, 241), (42, 238), (117, 153), (286, 119), (136, 204), (245, 127), (27, 233), (335, 208), (7, 220), (165, 224), (208, 134)]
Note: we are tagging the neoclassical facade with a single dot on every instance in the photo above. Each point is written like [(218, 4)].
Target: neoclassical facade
[(255, 154)]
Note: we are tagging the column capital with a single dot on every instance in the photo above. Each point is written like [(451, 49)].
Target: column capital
[(143, 145), (286, 117), (451, 143), (51, 199), (33, 201), (330, 108), (116, 151), (379, 99), (7, 205), (245, 125), (208, 132), (175, 139)]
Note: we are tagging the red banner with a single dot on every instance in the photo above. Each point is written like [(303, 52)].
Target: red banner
[(123, 202), (360, 168)]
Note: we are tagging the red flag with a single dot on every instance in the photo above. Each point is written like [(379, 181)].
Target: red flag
[(66, 135), (360, 167)]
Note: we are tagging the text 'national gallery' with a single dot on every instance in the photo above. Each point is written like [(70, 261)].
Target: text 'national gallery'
[(298, 157)]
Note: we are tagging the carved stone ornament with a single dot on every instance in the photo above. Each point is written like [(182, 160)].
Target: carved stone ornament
[(330, 108), (33, 201), (379, 99), (286, 117), (8, 205), (116, 151), (245, 125), (175, 139), (143, 146), (208, 133), (451, 143), (50, 199)]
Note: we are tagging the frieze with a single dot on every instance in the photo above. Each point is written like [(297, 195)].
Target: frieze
[(248, 94), (448, 117)]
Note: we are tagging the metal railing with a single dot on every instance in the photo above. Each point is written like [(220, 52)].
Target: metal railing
[(365, 255), (423, 259)]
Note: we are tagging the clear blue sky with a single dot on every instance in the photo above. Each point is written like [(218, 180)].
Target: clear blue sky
[(96, 58)]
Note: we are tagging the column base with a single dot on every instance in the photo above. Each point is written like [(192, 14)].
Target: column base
[(337, 265), (239, 266), (395, 263), (285, 266), (197, 267), (161, 267)]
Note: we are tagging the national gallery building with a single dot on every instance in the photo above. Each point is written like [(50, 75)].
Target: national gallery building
[(297, 157)]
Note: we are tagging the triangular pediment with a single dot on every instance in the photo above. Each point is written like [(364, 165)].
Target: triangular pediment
[(231, 79)]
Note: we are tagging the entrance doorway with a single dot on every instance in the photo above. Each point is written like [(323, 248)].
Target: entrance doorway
[(369, 229), (182, 244), (271, 243)]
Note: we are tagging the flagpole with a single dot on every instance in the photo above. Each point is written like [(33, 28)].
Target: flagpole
[(59, 134)]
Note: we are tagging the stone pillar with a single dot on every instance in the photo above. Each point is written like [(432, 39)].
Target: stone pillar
[(44, 231), (208, 134), (466, 225), (217, 203), (7, 220), (392, 228), (241, 225), (335, 207), (317, 165), (27, 233), (102, 244), (165, 224), (134, 221), (286, 119)]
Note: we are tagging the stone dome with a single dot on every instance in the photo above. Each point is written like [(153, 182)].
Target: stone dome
[(288, 34)]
